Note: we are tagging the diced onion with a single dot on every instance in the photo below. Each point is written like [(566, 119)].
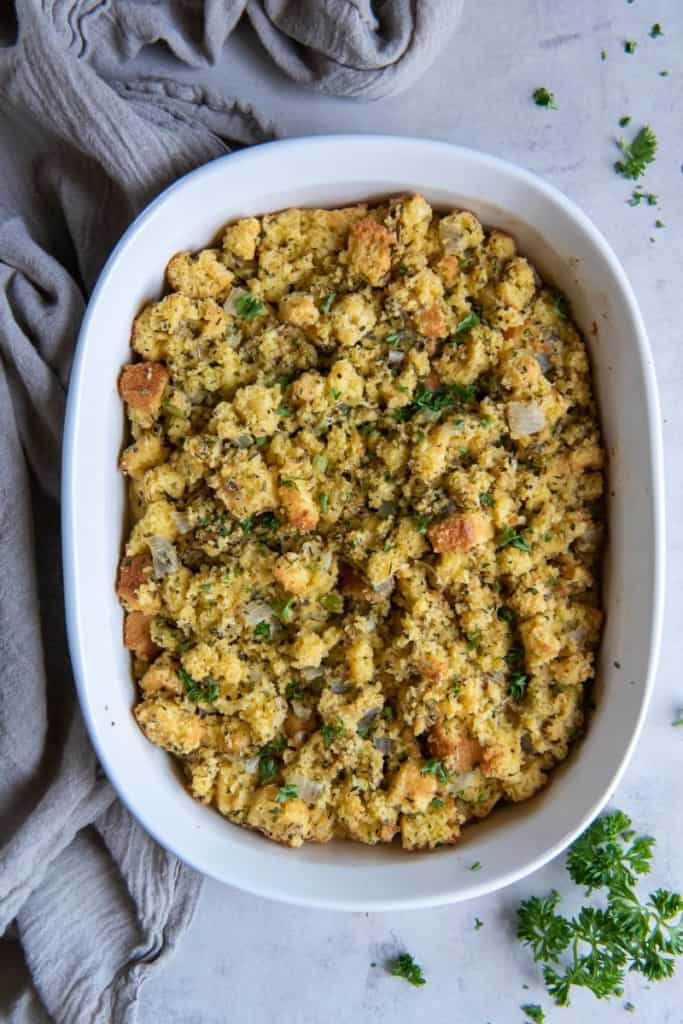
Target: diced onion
[(339, 686), (395, 357), (164, 557), (543, 360), (383, 744), (259, 611), (307, 789), (312, 672), (251, 765), (182, 523), (368, 718), (525, 418)]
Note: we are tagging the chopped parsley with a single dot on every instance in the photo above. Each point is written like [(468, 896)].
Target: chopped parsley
[(474, 640), (637, 197), (478, 924), (327, 304), (660, 224), (439, 399), (248, 306), (678, 721), (333, 602), (517, 684), (437, 803), (663, 74), (387, 713), (510, 538), (561, 306), (324, 502), (505, 614), (335, 393), (199, 693), (603, 54), (656, 31), (637, 154), (476, 866), (486, 500), (283, 609), (595, 948), (534, 1012), (405, 967), (294, 690), (630, 46), (544, 98), (288, 792), (436, 768), (623, 121), (329, 733), (422, 522), (268, 768), (465, 325), (262, 629), (283, 411), (393, 336)]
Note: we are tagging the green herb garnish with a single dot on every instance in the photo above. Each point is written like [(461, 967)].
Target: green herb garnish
[(421, 523), (288, 792), (656, 31), (283, 411), (294, 690), (324, 502), (486, 500), (623, 121), (517, 684), (329, 733), (465, 325), (268, 768), (283, 609), (327, 304), (333, 602), (637, 154), (476, 866), (534, 1012), (595, 948), (436, 768), (405, 967), (262, 629), (248, 306), (544, 98), (392, 337), (630, 46), (510, 538), (478, 924), (637, 197), (561, 306), (199, 693)]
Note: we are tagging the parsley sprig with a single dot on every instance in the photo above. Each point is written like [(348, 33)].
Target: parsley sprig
[(248, 306), (405, 967), (544, 98), (637, 154), (199, 693), (436, 400), (595, 948)]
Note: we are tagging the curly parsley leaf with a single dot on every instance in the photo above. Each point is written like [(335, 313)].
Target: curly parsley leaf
[(329, 733), (517, 684), (544, 98), (510, 538), (534, 1012), (405, 967), (596, 948), (637, 154)]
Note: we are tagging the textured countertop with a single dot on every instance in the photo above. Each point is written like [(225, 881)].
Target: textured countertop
[(249, 961)]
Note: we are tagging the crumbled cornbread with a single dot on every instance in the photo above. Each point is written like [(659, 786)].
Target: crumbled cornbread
[(365, 477)]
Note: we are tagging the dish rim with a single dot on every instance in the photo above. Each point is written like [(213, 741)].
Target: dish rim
[(651, 398)]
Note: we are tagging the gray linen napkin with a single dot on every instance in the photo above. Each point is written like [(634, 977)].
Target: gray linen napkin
[(93, 901)]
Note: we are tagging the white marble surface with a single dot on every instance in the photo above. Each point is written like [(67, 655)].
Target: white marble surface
[(249, 961)]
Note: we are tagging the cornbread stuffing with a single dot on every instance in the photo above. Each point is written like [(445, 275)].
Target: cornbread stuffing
[(365, 475)]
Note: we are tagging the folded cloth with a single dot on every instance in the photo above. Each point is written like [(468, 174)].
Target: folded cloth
[(94, 903)]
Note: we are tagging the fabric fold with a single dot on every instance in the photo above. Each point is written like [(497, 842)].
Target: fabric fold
[(94, 902)]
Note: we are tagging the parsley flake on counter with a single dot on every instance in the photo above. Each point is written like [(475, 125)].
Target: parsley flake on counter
[(636, 197), (600, 944), (678, 721), (248, 306), (629, 1007), (660, 224), (436, 768), (288, 792), (637, 154), (405, 967), (544, 98), (603, 54), (623, 121), (534, 1012), (656, 31), (476, 866), (664, 74), (478, 924), (630, 46)]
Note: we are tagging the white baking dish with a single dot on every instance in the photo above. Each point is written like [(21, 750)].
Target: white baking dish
[(567, 248)]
